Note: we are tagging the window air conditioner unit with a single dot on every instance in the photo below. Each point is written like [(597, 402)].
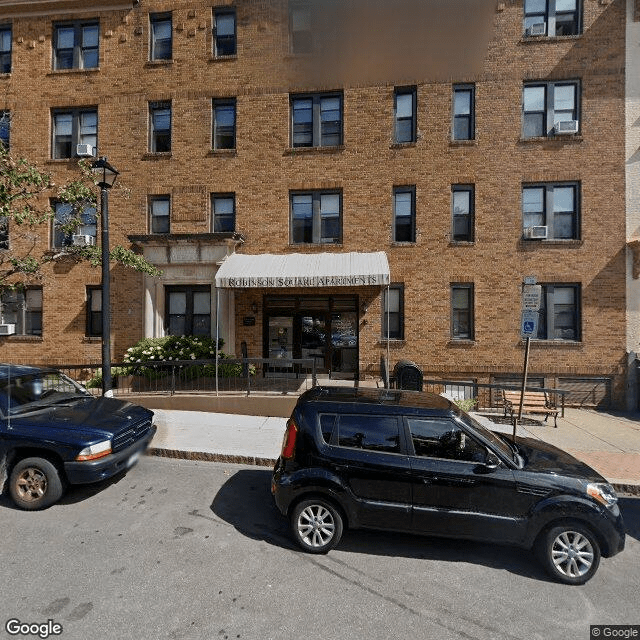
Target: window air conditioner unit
[(537, 29), (84, 150), (566, 126), (7, 329), (83, 241), (536, 233)]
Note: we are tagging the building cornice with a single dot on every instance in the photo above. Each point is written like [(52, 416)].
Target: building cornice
[(34, 8)]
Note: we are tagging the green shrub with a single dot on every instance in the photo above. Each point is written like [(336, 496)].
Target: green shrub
[(179, 348), (467, 404)]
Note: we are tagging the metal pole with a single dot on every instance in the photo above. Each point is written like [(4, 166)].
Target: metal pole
[(524, 384), (106, 295)]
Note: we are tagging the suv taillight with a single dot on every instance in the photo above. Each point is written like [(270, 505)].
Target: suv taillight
[(289, 441)]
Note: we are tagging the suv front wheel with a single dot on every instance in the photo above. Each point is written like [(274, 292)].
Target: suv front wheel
[(316, 525), (569, 552), (35, 483)]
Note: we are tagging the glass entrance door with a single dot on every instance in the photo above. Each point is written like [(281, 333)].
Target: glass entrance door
[(313, 339), (344, 344)]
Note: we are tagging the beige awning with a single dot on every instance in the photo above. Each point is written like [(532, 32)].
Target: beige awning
[(266, 271)]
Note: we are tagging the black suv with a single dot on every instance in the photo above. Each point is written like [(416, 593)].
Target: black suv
[(414, 462)]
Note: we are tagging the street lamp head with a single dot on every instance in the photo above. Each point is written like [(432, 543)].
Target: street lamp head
[(105, 174)]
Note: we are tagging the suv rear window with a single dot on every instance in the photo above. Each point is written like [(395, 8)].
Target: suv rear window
[(377, 433), (327, 421)]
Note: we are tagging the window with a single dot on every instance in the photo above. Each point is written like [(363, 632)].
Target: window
[(22, 308), (550, 108), (316, 120), (224, 124), (405, 115), (73, 220), (223, 206), (552, 18), (464, 112), (159, 214), (445, 440), (75, 45), (374, 433), (316, 217), (393, 312), (462, 312), (559, 315), (71, 128), (404, 214), (4, 232), (462, 212), (159, 127), (160, 29), (554, 206), (188, 311), (224, 33), (301, 37), (94, 311), (5, 48), (5, 128)]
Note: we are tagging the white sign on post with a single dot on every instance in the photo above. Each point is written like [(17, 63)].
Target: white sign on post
[(531, 297)]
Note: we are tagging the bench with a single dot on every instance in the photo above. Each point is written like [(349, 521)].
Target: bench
[(533, 402)]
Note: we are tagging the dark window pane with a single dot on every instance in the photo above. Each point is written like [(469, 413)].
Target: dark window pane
[(375, 433)]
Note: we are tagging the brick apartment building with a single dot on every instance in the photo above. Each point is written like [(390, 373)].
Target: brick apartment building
[(359, 178)]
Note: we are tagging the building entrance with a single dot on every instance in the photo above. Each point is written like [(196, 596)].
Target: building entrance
[(322, 328)]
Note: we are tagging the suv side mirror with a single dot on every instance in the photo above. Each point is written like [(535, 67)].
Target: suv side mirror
[(491, 462)]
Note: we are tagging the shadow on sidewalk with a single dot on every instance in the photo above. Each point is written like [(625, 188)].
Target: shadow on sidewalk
[(246, 503)]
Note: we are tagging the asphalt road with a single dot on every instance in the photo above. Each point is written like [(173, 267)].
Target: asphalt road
[(196, 550)]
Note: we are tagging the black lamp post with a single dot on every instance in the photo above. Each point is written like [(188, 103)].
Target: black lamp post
[(105, 176)]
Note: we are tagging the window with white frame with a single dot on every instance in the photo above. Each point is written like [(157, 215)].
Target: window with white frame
[(316, 217), (75, 45), (405, 114), (404, 214), (552, 18), (224, 32), (224, 123), (73, 220), (462, 311), (159, 213), (22, 309), (223, 209), (316, 120), (551, 211), (5, 48), (559, 315), (73, 127), (550, 108), (393, 312), (161, 46), (94, 311), (300, 33), (159, 127), (463, 127), (462, 212)]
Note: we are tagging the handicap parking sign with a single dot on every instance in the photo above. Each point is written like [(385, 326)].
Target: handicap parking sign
[(529, 326)]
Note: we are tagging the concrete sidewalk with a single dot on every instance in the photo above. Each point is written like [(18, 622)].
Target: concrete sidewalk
[(607, 442)]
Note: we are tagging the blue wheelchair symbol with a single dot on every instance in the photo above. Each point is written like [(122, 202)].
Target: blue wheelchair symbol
[(528, 327)]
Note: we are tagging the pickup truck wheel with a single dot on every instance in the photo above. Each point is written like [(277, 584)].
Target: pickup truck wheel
[(35, 484), (317, 525), (569, 552)]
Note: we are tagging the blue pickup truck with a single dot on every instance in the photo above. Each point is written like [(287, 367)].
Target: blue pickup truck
[(53, 432)]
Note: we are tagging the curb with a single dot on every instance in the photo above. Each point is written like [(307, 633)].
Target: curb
[(621, 489), (211, 457)]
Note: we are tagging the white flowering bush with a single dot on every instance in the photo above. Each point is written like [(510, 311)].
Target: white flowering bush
[(170, 349)]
